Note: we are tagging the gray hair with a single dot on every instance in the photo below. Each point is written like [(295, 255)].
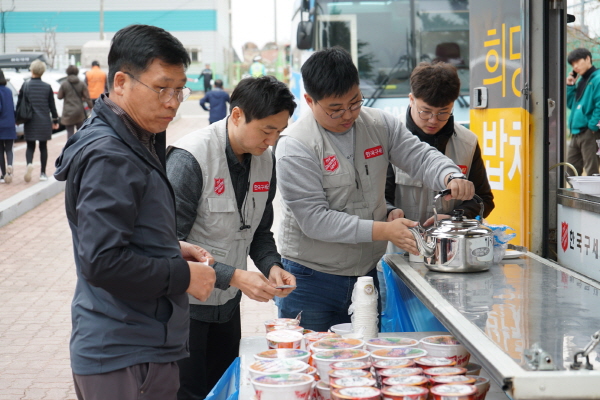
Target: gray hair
[(38, 67)]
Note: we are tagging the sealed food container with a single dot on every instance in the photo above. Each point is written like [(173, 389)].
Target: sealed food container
[(285, 366), (446, 346), (440, 371), (430, 362), (284, 339), (323, 391), (288, 322), (473, 369), (397, 352), (283, 386), (404, 393), (451, 380), (347, 373), (385, 342), (411, 380), (311, 337), (336, 344), (273, 354), (356, 393), (482, 385), (324, 359), (391, 372), (393, 363), (339, 383), (366, 365), (453, 392)]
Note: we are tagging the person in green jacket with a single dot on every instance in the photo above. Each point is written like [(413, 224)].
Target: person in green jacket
[(583, 99)]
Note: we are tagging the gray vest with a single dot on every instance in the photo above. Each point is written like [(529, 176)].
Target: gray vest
[(353, 189), (216, 227)]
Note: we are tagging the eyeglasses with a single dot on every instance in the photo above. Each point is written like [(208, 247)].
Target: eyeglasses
[(339, 113), (166, 94), (426, 115)]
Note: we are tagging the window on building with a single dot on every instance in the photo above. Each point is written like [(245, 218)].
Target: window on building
[(74, 56), (194, 53)]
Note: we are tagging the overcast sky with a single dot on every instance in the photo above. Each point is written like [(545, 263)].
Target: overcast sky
[(252, 21)]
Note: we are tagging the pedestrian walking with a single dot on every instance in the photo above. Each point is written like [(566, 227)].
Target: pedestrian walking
[(257, 68), (130, 310), (217, 99), (206, 75), (74, 92), (39, 128), (96, 81), (229, 165), (8, 132)]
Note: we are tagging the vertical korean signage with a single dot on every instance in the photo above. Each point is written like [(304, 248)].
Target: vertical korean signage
[(496, 40)]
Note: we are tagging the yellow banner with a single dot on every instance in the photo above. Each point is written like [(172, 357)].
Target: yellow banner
[(504, 144)]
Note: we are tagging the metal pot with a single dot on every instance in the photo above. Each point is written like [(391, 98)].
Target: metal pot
[(456, 244)]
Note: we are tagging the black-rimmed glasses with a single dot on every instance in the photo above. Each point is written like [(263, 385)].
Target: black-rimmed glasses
[(339, 113), (426, 115), (166, 94)]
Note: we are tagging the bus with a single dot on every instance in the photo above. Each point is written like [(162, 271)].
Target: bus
[(386, 39)]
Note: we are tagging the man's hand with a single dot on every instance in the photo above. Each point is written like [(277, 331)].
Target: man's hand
[(191, 252), (439, 216), (462, 189), (254, 285), (278, 277), (397, 232), (202, 280), (571, 79), (395, 214), (55, 126)]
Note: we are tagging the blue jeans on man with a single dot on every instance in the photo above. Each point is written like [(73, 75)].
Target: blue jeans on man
[(323, 298)]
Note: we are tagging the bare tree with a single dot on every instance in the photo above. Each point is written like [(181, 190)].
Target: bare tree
[(48, 44)]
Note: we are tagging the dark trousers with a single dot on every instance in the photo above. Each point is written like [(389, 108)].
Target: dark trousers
[(43, 153), (147, 381), (6, 146), (582, 152), (213, 347), (71, 129)]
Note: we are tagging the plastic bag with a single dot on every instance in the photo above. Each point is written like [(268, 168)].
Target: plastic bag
[(501, 239), (228, 387), (403, 311)]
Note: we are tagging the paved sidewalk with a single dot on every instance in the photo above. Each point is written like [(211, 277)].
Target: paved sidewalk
[(37, 278)]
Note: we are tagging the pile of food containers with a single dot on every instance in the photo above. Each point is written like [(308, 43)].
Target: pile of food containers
[(302, 364)]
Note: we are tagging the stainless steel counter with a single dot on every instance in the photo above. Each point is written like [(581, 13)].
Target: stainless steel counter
[(502, 313)]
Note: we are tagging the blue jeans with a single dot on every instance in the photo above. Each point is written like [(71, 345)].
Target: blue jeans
[(323, 298)]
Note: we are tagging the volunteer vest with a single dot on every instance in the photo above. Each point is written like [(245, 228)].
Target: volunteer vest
[(217, 225), (96, 82), (355, 189), (416, 199)]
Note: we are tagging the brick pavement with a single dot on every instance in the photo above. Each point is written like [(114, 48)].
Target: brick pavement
[(37, 278)]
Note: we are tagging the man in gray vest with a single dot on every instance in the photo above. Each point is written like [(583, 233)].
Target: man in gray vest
[(224, 182), (332, 166), (434, 88)]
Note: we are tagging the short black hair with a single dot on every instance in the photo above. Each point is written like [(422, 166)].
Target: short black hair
[(578, 54), (95, 63), (329, 72), (72, 70), (262, 97), (219, 83), (2, 79), (134, 47), (436, 84)]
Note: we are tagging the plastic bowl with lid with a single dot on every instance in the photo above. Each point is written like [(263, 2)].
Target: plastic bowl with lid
[(283, 386), (284, 339), (412, 380), (342, 328), (356, 393), (446, 346), (430, 362), (366, 365), (405, 393), (324, 359), (273, 354), (289, 322), (444, 371), (336, 344), (397, 352), (451, 380), (386, 342), (453, 392), (269, 367), (347, 373), (339, 383), (393, 363), (311, 337)]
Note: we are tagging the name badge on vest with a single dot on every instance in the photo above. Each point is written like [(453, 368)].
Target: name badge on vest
[(219, 186), (373, 152), (331, 163), (261, 186)]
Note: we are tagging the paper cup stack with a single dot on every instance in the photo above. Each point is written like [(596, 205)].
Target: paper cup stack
[(364, 307)]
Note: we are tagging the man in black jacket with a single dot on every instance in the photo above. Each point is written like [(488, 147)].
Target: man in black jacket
[(434, 88), (130, 308)]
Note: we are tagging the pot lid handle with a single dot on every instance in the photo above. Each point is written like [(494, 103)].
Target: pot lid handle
[(446, 192)]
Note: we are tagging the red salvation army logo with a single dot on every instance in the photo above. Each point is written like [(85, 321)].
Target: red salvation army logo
[(219, 186), (564, 236), (463, 168), (373, 152), (261, 186), (331, 163)]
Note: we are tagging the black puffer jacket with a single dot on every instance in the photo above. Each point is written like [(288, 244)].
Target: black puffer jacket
[(42, 100)]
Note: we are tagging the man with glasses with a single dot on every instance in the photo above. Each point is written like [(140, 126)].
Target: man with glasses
[(434, 89), (331, 170), (130, 309)]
